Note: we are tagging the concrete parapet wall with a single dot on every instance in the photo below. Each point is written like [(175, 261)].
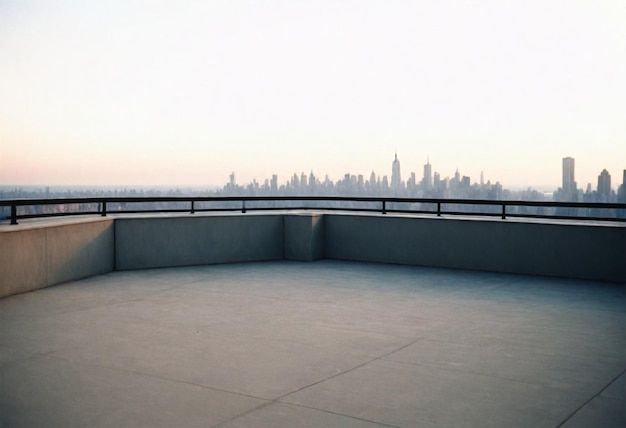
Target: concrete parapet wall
[(195, 240), (570, 250), (54, 252)]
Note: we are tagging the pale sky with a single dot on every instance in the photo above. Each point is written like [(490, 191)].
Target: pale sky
[(184, 92)]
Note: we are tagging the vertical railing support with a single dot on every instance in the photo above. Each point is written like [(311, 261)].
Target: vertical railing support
[(243, 205), (438, 209), (384, 207), (193, 207), (104, 209), (503, 211), (13, 214)]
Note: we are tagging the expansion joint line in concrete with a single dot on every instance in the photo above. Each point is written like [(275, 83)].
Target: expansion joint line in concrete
[(278, 399), (591, 399)]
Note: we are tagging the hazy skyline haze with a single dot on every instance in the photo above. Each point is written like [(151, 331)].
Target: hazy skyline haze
[(183, 93)]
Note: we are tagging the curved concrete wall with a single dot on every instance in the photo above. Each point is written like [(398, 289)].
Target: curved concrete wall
[(51, 252)]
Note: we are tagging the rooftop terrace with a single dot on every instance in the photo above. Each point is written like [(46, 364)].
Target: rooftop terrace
[(323, 343)]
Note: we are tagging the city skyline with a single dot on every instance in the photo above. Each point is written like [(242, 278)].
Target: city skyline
[(157, 93), (568, 184), (396, 178), (433, 184), (430, 185)]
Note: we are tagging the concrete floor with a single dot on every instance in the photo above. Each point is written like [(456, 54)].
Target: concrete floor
[(317, 344)]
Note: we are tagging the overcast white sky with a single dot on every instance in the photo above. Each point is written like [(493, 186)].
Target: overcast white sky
[(184, 92)]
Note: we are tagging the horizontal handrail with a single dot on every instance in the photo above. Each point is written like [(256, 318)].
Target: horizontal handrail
[(244, 206)]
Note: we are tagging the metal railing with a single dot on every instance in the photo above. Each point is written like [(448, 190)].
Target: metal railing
[(194, 204)]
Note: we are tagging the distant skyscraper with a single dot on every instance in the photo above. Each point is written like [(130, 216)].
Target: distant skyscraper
[(621, 194), (412, 181), (436, 179), (396, 179), (569, 184), (303, 181), (427, 181), (604, 186)]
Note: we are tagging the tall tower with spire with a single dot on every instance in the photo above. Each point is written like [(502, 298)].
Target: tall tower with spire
[(396, 179)]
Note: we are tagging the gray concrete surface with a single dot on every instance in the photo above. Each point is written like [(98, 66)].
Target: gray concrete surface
[(312, 344), (40, 254)]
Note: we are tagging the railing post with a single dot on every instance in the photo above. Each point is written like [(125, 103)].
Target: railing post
[(384, 207), (503, 211), (104, 209), (13, 214), (193, 207), (243, 205), (438, 209)]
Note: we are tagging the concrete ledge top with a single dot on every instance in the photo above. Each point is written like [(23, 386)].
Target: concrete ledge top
[(41, 223), (27, 224), (496, 219)]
